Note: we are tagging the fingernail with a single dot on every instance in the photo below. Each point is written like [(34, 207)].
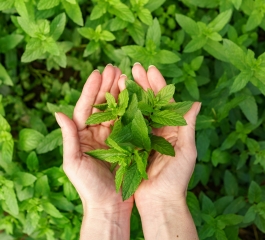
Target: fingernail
[(109, 64), (137, 63), (58, 119), (198, 108), (123, 75), (151, 66), (96, 70)]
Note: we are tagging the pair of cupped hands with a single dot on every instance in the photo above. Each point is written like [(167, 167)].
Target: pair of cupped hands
[(168, 177)]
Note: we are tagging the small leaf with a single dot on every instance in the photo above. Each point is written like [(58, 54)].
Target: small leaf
[(29, 139), (220, 21), (119, 177), (140, 132), (101, 106), (168, 118), (122, 11), (110, 155), (131, 181), (111, 101), (25, 179), (154, 33), (181, 107), (165, 94), (5, 78), (189, 25), (241, 81), (34, 50), (161, 145), (9, 42), (107, 36), (47, 4), (145, 16), (196, 63), (74, 12), (10, 199), (57, 26), (100, 117), (50, 142), (195, 44), (254, 193), (123, 100), (51, 209), (141, 166), (230, 184), (167, 57), (32, 161)]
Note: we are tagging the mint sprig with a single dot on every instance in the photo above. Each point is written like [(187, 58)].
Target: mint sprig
[(135, 114)]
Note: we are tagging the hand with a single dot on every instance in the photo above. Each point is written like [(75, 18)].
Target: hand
[(92, 178), (165, 190)]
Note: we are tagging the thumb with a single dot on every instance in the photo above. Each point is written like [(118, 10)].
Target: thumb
[(186, 134), (71, 145)]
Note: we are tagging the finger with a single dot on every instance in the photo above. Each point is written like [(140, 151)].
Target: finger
[(115, 88), (155, 79), (71, 145), (121, 82), (108, 76), (140, 76), (186, 134), (88, 96)]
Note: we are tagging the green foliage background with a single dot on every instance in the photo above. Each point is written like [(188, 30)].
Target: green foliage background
[(212, 50)]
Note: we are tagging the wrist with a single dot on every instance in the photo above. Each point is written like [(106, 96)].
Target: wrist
[(106, 223)]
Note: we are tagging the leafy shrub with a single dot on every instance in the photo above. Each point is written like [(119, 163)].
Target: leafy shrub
[(213, 51)]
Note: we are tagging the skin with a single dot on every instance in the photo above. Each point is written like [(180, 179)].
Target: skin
[(161, 200)]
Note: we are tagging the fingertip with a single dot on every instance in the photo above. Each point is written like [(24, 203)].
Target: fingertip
[(121, 82)]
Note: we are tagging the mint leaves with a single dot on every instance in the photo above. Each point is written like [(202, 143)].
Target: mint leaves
[(135, 114)]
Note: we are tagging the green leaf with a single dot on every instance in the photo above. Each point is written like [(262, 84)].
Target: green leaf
[(21, 8), (101, 106), (167, 57), (111, 101), (100, 117), (51, 209), (188, 25), (131, 110), (32, 161), (10, 199), (9, 42), (25, 179), (28, 26), (235, 55), (229, 141), (6, 4), (250, 109), (195, 44), (136, 52), (154, 33), (220, 21), (250, 214), (192, 87), (119, 177), (31, 222), (134, 88), (66, 109), (216, 49), (229, 219), (118, 24), (131, 181), (69, 191), (122, 11), (196, 63), (91, 48), (50, 142), (98, 10), (140, 132), (47, 4), (181, 107), (42, 187), (57, 26), (137, 32), (230, 184), (106, 36), (237, 3), (29, 139), (141, 166), (168, 118), (241, 81), (110, 155), (145, 16), (34, 50), (112, 143), (87, 32), (161, 145), (51, 47), (120, 133), (254, 193), (4, 77), (123, 100), (254, 19), (154, 4), (74, 12), (4, 125), (219, 157)]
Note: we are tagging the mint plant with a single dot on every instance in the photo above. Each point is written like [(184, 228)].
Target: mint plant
[(131, 140)]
